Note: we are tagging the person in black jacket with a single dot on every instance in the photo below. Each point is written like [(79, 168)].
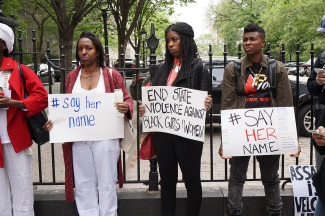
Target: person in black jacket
[(319, 178), (315, 87), (181, 68)]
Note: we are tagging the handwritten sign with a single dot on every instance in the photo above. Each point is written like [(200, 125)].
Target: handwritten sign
[(174, 110), (259, 131), (305, 197), (84, 117)]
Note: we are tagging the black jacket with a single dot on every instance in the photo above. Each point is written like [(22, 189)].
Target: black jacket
[(319, 177), (200, 79)]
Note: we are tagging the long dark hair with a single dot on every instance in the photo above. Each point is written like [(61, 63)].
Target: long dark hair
[(98, 46), (188, 54)]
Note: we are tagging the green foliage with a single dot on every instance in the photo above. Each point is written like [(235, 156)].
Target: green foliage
[(230, 16), (157, 12), (161, 21), (288, 21), (203, 43), (291, 22)]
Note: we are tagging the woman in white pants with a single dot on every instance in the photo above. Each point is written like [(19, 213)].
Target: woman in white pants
[(16, 179), (95, 162)]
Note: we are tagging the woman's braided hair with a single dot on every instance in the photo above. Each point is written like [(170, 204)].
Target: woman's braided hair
[(188, 54)]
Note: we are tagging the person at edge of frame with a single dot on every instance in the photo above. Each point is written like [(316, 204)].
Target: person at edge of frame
[(181, 68), (315, 85), (253, 66), (319, 177), (16, 176), (96, 164)]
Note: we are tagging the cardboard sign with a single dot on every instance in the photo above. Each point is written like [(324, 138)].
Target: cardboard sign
[(305, 197), (174, 110), (84, 117), (259, 131)]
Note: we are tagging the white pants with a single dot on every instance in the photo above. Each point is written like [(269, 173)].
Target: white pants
[(95, 166), (16, 183)]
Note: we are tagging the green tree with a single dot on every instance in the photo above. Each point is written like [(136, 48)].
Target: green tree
[(294, 21), (161, 21), (40, 17), (230, 16), (128, 14), (203, 43), (67, 14)]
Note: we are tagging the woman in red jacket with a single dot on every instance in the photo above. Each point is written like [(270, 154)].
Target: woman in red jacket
[(16, 183), (95, 162)]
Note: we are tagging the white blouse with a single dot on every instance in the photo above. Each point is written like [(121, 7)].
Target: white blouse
[(3, 112), (99, 89)]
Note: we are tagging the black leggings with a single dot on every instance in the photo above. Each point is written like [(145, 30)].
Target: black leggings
[(171, 150)]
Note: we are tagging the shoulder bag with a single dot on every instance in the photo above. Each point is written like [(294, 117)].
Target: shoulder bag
[(129, 135), (37, 121)]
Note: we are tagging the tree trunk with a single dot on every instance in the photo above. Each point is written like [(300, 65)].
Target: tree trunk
[(66, 40), (121, 41), (39, 42)]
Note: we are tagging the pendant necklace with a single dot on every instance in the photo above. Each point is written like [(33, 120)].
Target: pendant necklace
[(4, 81), (176, 68), (256, 76), (89, 77)]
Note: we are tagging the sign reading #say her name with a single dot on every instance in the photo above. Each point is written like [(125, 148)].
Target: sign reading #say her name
[(84, 117), (174, 110), (259, 131)]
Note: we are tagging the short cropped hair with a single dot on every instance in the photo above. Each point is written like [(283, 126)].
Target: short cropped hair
[(253, 27)]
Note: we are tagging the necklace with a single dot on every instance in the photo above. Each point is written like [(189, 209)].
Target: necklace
[(4, 81), (176, 68), (253, 72), (256, 77), (89, 77)]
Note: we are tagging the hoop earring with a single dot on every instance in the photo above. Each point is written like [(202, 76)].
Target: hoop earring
[(98, 61)]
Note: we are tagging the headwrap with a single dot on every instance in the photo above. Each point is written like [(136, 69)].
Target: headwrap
[(7, 35)]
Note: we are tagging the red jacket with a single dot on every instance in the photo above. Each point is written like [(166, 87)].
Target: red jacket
[(36, 102)]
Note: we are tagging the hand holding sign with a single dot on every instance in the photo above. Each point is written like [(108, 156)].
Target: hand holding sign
[(221, 153), (208, 103), (142, 109), (48, 125)]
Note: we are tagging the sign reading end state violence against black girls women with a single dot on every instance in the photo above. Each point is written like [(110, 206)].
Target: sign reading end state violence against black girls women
[(259, 131), (84, 117), (305, 196), (174, 110)]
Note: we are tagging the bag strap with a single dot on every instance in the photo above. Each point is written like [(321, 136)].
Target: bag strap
[(22, 77), (272, 75), (237, 69)]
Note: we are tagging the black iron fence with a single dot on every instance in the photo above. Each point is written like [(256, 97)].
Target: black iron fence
[(152, 43)]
